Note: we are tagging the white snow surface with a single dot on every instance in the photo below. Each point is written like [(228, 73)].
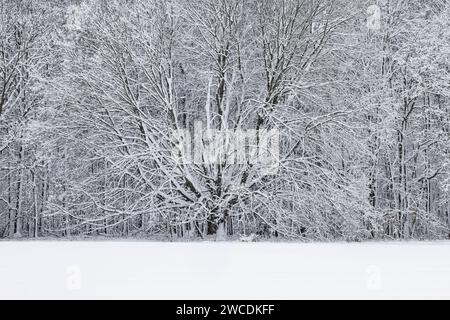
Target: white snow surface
[(221, 270)]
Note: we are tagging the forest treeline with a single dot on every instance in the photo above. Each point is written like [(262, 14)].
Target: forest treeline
[(92, 93)]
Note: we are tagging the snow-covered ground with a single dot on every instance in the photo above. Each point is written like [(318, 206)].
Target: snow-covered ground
[(149, 270)]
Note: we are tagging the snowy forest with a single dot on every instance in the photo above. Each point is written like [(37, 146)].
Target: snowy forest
[(94, 94)]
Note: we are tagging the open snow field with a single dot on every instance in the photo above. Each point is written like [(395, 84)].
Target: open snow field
[(149, 270)]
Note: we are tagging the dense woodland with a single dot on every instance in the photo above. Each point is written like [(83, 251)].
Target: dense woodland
[(91, 93)]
